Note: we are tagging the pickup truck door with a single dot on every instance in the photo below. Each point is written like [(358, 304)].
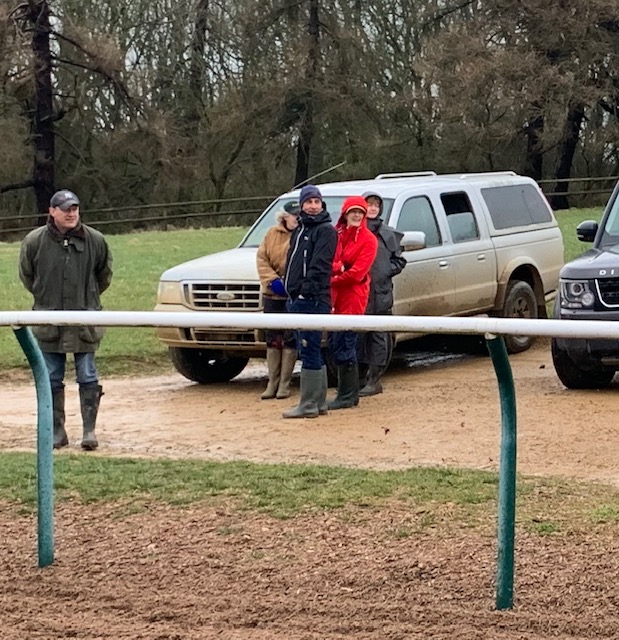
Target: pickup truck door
[(427, 285), (474, 258), (475, 267)]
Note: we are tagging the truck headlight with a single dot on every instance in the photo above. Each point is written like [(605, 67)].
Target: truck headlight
[(576, 294), (169, 293)]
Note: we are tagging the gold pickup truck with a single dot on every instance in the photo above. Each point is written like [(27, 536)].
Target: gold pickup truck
[(476, 243)]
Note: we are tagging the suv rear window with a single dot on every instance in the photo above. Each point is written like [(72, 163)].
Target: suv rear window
[(515, 206)]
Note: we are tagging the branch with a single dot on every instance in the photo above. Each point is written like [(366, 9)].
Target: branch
[(608, 107), (17, 185), (111, 77), (275, 15), (71, 146), (438, 17)]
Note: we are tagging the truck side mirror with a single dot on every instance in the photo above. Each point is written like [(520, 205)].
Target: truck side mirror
[(586, 230), (413, 240)]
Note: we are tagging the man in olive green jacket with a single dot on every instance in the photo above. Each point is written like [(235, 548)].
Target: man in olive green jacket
[(66, 265)]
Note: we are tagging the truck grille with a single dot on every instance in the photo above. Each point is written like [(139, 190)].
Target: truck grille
[(232, 296), (230, 337), (608, 291)]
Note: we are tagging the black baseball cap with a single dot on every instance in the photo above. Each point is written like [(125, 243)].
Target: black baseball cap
[(292, 208), (64, 199)]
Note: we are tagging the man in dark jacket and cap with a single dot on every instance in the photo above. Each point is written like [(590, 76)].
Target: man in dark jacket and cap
[(308, 284), (66, 265), (375, 347)]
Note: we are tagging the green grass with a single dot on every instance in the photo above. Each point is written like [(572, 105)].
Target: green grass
[(283, 490), (139, 261), (568, 221), (287, 487), (434, 497)]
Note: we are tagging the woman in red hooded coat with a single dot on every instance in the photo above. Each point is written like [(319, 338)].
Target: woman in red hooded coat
[(350, 288)]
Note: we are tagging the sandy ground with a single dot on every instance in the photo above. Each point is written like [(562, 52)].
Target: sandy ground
[(216, 572), (447, 413), (207, 573)]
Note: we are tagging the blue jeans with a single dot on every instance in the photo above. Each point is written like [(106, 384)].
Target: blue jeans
[(308, 342), (343, 347), (85, 369)]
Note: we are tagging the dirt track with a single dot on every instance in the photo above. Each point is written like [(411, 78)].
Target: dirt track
[(214, 572), (207, 573), (446, 414)]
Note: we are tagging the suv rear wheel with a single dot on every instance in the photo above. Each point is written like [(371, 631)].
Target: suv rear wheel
[(520, 302), (206, 366)]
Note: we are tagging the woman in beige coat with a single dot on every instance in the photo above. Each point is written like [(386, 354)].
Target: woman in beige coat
[(271, 263)]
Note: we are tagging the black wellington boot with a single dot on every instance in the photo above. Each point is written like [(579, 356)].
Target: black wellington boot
[(311, 390), (347, 387), (323, 407), (90, 397), (60, 435), (372, 386)]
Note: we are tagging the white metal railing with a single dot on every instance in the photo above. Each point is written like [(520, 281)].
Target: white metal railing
[(244, 320)]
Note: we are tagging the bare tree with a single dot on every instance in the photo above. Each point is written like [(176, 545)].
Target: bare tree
[(306, 128), (183, 99), (34, 19), (33, 16)]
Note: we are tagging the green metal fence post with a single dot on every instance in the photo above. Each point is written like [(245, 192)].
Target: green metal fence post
[(45, 456), (507, 473)]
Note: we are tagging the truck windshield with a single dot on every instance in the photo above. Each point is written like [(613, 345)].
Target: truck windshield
[(267, 219)]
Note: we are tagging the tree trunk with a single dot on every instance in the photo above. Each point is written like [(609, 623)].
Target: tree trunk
[(306, 128), (43, 123), (193, 109), (571, 135), (197, 67), (534, 133)]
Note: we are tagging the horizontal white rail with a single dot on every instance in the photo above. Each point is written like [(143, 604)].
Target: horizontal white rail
[(240, 320)]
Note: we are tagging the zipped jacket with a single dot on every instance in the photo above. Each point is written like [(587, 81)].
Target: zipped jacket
[(388, 263), (354, 256), (66, 272), (310, 256), (271, 258)]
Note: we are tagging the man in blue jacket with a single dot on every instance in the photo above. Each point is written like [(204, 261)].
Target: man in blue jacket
[(308, 285)]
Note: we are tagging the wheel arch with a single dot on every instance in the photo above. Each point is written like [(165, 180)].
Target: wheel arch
[(524, 272)]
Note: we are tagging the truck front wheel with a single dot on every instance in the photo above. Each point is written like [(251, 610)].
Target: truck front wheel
[(206, 366), (572, 376), (519, 302)]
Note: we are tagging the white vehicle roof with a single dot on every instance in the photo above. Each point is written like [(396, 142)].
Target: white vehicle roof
[(389, 185)]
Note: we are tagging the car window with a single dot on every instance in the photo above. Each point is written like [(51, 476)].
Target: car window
[(460, 217), (463, 226), (417, 215), (267, 219), (515, 206)]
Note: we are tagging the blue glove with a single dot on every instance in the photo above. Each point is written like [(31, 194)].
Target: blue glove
[(277, 287)]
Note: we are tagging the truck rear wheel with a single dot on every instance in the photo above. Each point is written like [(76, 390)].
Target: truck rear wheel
[(572, 376), (206, 366), (520, 302)]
